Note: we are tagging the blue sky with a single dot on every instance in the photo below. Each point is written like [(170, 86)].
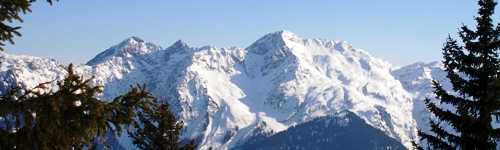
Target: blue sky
[(400, 31)]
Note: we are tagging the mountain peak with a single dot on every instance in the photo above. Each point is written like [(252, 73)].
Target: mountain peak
[(421, 65), (280, 81), (179, 44), (275, 40), (135, 38), (283, 35), (130, 46)]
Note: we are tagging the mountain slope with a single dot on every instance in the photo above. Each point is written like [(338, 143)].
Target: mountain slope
[(27, 72), (417, 79), (227, 96), (329, 132)]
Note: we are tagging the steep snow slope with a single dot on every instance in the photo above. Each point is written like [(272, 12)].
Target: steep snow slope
[(27, 71), (308, 78), (226, 96), (417, 79)]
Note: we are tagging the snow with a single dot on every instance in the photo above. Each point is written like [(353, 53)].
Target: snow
[(77, 103), (227, 95), (417, 79)]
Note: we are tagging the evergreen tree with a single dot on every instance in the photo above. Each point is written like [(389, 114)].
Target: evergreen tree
[(158, 130), (10, 11), (72, 117), (473, 67)]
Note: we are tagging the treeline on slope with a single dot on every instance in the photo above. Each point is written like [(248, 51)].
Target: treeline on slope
[(473, 67), (72, 117)]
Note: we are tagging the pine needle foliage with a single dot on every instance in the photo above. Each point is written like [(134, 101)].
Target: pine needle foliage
[(10, 12), (158, 130), (70, 116), (473, 67)]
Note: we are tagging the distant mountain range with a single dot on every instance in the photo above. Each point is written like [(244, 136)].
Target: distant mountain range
[(280, 85)]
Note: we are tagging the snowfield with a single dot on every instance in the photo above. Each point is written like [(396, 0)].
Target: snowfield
[(227, 95)]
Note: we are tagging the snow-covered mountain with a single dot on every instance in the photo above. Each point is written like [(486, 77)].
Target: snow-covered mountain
[(27, 71), (226, 96), (417, 79), (341, 131)]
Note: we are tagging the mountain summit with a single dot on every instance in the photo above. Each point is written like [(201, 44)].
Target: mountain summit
[(127, 48), (226, 96), (273, 41)]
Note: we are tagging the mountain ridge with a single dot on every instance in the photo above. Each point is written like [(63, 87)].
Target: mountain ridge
[(227, 95)]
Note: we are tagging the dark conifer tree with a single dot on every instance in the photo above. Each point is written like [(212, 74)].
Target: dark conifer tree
[(68, 118), (473, 67), (72, 117), (158, 130)]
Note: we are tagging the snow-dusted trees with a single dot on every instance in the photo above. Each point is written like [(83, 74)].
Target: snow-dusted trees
[(473, 66)]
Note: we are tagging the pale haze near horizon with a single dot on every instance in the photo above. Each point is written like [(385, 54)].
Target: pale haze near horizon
[(400, 32)]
